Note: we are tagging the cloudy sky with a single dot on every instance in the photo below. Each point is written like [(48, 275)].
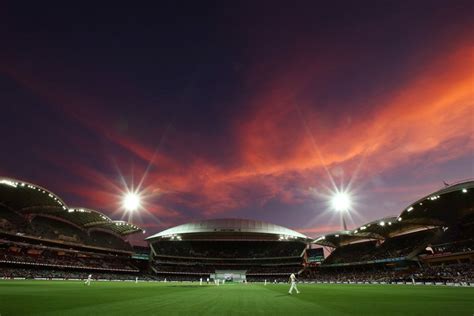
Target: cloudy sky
[(239, 108)]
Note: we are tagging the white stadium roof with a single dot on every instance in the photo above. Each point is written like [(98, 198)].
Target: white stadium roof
[(229, 225)]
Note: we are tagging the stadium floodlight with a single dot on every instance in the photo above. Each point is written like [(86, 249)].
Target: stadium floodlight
[(464, 190), (131, 201), (341, 202)]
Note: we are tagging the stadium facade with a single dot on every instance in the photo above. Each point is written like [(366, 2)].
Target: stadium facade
[(226, 248), (42, 237), (431, 240)]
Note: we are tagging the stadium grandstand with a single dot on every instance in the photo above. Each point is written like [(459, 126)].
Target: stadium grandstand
[(228, 249), (42, 237), (432, 240)]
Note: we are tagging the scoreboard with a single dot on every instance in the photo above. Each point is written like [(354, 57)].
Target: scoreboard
[(315, 255)]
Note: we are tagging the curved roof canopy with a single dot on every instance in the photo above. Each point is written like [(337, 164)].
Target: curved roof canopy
[(230, 225), (339, 238), (26, 198), (386, 227), (380, 229), (443, 207), (89, 219)]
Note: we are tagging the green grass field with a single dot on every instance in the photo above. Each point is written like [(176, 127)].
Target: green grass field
[(123, 298)]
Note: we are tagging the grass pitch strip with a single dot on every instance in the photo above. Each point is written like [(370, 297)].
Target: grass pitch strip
[(126, 298)]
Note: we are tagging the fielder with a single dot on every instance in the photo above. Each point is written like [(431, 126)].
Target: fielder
[(293, 284), (200, 281), (88, 281)]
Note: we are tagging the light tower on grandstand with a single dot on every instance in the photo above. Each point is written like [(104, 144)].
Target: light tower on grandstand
[(132, 201), (341, 202)]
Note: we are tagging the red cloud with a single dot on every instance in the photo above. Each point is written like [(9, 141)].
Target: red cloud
[(283, 142)]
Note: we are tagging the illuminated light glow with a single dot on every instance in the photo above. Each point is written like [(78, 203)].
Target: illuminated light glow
[(382, 223), (464, 190), (341, 202), (410, 209), (131, 201), (399, 219), (8, 182)]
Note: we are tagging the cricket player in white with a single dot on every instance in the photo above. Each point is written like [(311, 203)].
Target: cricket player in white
[(293, 284), (136, 280), (200, 281), (88, 281)]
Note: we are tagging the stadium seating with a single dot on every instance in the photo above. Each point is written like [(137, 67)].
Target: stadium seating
[(229, 249), (43, 273), (396, 247), (14, 254), (107, 240), (442, 273), (206, 269)]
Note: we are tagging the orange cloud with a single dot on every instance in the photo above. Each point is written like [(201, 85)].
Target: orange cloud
[(283, 142), (432, 109)]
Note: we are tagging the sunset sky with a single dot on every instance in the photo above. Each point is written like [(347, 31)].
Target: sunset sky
[(242, 109)]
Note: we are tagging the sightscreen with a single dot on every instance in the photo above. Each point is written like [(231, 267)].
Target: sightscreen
[(230, 275)]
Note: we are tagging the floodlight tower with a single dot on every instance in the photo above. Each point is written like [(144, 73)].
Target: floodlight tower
[(341, 202), (131, 201)]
